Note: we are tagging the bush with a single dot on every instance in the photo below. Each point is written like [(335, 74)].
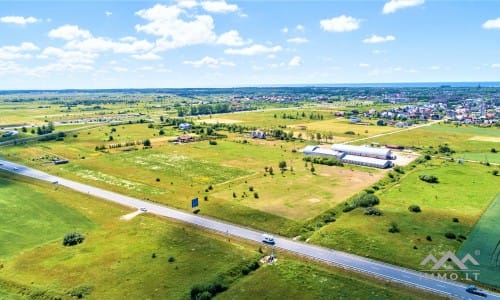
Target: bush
[(171, 259), (455, 220), (367, 200), (348, 208), (394, 227), (212, 142), (494, 172), (429, 178), (350, 132), (256, 195), (429, 238), (73, 238), (450, 235), (414, 208), (207, 291), (372, 211), (80, 291), (399, 170)]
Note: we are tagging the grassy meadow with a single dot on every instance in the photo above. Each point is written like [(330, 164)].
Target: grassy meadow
[(153, 258), (463, 192)]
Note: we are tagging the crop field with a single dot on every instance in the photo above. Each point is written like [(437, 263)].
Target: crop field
[(483, 243), (30, 219), (463, 192), (149, 257), (339, 125)]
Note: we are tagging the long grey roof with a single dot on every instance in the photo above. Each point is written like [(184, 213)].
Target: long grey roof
[(362, 149), (366, 160)]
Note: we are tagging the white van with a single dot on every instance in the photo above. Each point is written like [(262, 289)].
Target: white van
[(267, 238)]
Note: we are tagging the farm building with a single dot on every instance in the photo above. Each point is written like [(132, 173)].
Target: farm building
[(358, 158), (367, 161), (318, 151), (379, 153), (184, 126), (257, 134)]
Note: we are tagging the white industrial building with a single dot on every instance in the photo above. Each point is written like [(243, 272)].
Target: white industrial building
[(381, 153), (355, 155)]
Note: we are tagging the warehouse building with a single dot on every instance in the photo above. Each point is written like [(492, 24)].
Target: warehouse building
[(380, 153)]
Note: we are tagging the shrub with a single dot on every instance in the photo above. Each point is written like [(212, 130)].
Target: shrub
[(393, 228), (372, 211), (461, 236), (414, 208), (256, 195), (350, 132), (250, 189), (348, 208), (171, 259), (429, 178), (450, 235), (399, 170), (429, 238), (455, 220), (212, 142), (73, 238), (367, 200), (494, 172), (157, 179), (80, 291)]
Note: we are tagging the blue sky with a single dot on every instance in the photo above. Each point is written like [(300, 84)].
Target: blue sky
[(213, 43)]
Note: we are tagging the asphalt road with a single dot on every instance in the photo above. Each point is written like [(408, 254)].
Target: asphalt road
[(346, 260)]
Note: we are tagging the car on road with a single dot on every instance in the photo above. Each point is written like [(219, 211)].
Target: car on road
[(143, 209), (268, 239), (474, 290), (15, 168)]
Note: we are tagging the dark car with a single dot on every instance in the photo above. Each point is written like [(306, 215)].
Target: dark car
[(474, 290)]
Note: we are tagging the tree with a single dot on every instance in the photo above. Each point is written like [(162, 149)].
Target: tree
[(73, 238), (147, 143), (414, 208), (282, 165)]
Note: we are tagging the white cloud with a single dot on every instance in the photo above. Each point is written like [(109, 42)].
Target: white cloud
[(271, 56), (296, 61), (378, 52), (68, 57), (16, 52), (492, 24), (435, 68), (297, 40), (300, 28), (254, 50), (147, 56), (364, 65), (231, 38), (187, 3), (284, 29), (100, 44), (219, 6), (340, 24), (495, 66), (108, 13), (374, 39), (18, 20), (174, 32), (210, 62), (69, 32), (120, 69), (394, 5)]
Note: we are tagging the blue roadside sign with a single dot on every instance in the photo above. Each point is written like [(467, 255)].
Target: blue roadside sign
[(194, 203)]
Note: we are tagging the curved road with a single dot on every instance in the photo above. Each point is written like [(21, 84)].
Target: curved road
[(364, 265)]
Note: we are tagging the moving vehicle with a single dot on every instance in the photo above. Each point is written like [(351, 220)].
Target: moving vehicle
[(143, 209), (474, 290), (267, 238)]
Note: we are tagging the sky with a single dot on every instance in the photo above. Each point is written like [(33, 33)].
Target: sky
[(224, 43)]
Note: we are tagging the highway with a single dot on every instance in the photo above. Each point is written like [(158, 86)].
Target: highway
[(349, 261)]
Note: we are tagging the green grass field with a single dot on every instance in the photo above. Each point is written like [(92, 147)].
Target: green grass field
[(482, 243), (30, 219), (152, 258), (464, 192)]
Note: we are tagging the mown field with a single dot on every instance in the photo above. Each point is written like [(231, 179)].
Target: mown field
[(30, 218), (462, 139), (153, 258), (464, 192), (223, 174), (483, 243)]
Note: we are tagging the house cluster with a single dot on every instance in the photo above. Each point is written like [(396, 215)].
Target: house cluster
[(474, 111), (356, 155), (257, 134)]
